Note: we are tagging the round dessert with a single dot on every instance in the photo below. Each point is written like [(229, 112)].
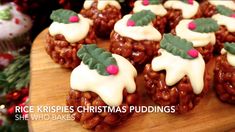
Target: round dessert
[(15, 28), (67, 33), (135, 38), (181, 9), (226, 33), (224, 74), (102, 80), (177, 77), (201, 32), (104, 13), (209, 6), (157, 8)]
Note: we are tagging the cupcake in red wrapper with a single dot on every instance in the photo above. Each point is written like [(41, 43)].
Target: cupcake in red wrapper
[(224, 74), (225, 17), (66, 34), (201, 32), (15, 28), (209, 6), (157, 8), (104, 13), (135, 38), (178, 76), (102, 80), (181, 9)]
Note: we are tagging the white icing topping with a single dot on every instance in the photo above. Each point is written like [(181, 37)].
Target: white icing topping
[(198, 39), (177, 67), (109, 88), (101, 4), (228, 3), (73, 32), (229, 22), (158, 10), (230, 57), (147, 32), (188, 10), (9, 28)]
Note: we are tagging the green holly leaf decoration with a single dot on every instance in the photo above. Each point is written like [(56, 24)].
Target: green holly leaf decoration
[(230, 47), (6, 14), (179, 47), (63, 16), (223, 10), (155, 2), (141, 18), (151, 2), (203, 25), (96, 58)]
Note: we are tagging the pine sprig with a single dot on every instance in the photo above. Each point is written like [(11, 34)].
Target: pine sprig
[(16, 75), (205, 25), (96, 58), (62, 15), (223, 10), (177, 46), (230, 47), (142, 18)]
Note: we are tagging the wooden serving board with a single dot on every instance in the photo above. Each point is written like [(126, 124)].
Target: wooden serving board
[(50, 86)]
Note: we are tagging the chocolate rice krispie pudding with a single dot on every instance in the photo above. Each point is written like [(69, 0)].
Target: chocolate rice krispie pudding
[(209, 6), (102, 79), (225, 74), (66, 35), (178, 76), (201, 32), (135, 38), (178, 10), (104, 13), (226, 33), (157, 8)]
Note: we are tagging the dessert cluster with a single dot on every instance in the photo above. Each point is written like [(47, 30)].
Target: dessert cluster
[(171, 42), (15, 28)]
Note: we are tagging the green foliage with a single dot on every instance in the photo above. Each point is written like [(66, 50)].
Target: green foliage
[(205, 25), (62, 15), (143, 17), (176, 45), (16, 75), (230, 47), (96, 58)]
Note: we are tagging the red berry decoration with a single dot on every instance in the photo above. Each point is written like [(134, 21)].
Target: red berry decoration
[(25, 99), (145, 2), (233, 15), (74, 19), (15, 95), (192, 25), (11, 110), (130, 23), (190, 2), (24, 91), (193, 53), (112, 69)]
